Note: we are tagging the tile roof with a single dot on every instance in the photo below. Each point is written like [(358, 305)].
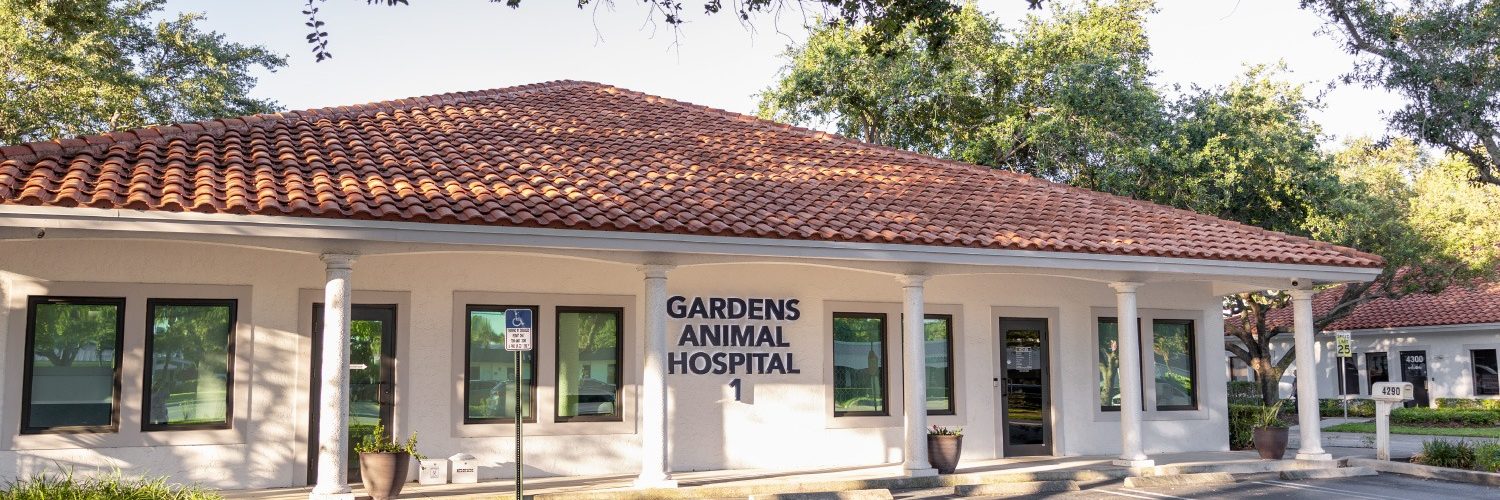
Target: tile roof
[(580, 155), (1456, 305)]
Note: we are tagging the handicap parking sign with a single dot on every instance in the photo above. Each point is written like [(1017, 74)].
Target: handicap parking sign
[(518, 329)]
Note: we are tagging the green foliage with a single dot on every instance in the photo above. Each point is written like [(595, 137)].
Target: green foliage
[(1362, 408), (1469, 403), (108, 487), (1244, 392), (1242, 425), (1067, 98), (379, 441), (938, 430), (83, 67), (1269, 417), (1369, 428), (1445, 416), (1442, 56), (1487, 457), (1445, 453)]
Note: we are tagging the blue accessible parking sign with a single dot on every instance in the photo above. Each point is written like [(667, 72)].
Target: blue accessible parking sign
[(518, 329)]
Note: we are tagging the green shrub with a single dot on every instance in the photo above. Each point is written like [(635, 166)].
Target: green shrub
[(1362, 408), (1487, 457), (1469, 404), (1445, 416), (1241, 423), (1244, 392), (109, 487), (1445, 453)]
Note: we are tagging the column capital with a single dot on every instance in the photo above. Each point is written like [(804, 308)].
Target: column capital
[(1125, 286), (912, 280), (338, 260), (1301, 294), (657, 271)]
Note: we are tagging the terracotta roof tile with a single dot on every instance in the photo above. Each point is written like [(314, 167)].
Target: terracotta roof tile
[(579, 155), (1456, 305)]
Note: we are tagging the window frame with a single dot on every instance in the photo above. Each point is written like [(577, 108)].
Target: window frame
[(947, 372), (885, 362), (620, 335), (147, 364), (1192, 352), (469, 310), (30, 359), (1474, 369), (1116, 320)]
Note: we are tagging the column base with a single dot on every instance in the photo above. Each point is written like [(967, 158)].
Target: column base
[(654, 483), (1314, 456), (347, 495), (1134, 463), (928, 472)]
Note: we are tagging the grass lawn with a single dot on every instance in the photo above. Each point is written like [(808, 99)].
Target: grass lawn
[(1487, 432)]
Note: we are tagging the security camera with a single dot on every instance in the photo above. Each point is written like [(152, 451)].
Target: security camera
[(1296, 283), (41, 232)]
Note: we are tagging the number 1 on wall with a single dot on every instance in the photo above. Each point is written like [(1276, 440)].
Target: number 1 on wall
[(735, 383)]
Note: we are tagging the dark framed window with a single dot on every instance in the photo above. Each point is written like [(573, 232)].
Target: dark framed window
[(490, 373), (1109, 364), (1349, 376), (937, 332), (1175, 354), (189, 376), (1377, 365), (71, 373), (589, 356), (859, 365), (1486, 372)]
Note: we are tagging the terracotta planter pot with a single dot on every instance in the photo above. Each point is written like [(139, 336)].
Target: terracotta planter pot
[(1270, 442), (383, 474), (943, 451)]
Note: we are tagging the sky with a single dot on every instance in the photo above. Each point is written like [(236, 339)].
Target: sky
[(434, 46)]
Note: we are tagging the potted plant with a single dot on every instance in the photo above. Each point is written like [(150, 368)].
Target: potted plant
[(1270, 433), (944, 444), (383, 463)]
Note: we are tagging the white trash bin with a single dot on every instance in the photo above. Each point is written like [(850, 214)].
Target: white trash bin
[(465, 468), (433, 471)]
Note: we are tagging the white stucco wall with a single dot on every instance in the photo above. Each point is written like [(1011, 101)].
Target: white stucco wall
[(784, 421), (1449, 369)]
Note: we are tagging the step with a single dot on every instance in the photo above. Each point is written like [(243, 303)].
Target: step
[(1179, 480), (1328, 473), (880, 494), (1015, 488), (1245, 467)]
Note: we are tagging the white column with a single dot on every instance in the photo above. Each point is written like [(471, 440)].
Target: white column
[(333, 404), (1307, 378), (1129, 376), (914, 370), (655, 469)]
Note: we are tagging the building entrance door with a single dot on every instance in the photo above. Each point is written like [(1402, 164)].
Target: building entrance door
[(372, 388), (1414, 370), (1025, 413)]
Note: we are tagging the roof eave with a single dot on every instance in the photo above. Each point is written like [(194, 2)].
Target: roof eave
[(157, 222)]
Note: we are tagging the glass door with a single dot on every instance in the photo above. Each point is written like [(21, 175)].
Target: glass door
[(1026, 426), (372, 388), (1414, 370)]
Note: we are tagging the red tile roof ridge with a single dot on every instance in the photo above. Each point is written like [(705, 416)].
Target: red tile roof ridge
[(946, 163)]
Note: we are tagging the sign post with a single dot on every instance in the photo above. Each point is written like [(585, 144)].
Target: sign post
[(1343, 346), (1386, 395), (518, 338)]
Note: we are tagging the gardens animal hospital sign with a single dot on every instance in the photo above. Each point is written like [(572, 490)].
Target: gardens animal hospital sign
[(732, 335)]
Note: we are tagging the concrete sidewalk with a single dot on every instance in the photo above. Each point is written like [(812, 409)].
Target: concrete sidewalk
[(970, 471)]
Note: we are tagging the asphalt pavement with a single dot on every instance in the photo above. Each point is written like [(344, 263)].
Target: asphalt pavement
[(1271, 486)]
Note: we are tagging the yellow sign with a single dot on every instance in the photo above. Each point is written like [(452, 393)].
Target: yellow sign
[(1343, 345)]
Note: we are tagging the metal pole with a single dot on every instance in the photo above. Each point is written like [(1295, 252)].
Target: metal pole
[(520, 386)]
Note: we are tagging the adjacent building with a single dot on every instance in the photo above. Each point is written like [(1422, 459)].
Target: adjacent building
[(226, 302), (1445, 344)]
